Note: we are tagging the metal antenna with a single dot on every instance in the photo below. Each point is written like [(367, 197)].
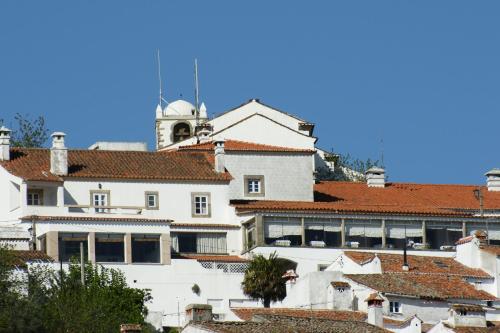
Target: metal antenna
[(159, 78), (196, 92), (382, 152)]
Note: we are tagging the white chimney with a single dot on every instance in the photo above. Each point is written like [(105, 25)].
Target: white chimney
[(220, 154), (375, 177), (198, 312), (4, 143), (375, 314), (58, 155), (493, 180)]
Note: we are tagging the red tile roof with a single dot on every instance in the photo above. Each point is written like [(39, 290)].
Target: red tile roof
[(395, 198), (21, 257), (493, 249), (235, 145), (392, 263), (427, 286), (34, 164), (92, 218), (248, 313)]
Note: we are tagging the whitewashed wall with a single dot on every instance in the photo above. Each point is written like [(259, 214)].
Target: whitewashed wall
[(286, 176)]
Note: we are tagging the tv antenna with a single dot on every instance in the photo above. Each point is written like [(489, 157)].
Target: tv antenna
[(196, 93), (161, 99)]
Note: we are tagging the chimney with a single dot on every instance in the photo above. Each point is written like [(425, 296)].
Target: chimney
[(4, 143), (219, 156), (58, 155), (130, 328), (375, 315), (493, 180), (203, 132), (375, 177), (198, 312)]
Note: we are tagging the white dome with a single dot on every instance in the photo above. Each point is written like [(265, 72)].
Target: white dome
[(179, 108)]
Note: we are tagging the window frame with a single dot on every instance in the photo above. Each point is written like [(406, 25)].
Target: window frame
[(146, 200), (395, 307), (99, 209), (32, 191), (260, 179), (194, 195)]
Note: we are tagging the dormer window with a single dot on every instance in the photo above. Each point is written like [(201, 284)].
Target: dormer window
[(35, 198), (254, 185)]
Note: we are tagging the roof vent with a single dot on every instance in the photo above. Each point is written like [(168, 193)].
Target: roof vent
[(375, 177), (493, 180)]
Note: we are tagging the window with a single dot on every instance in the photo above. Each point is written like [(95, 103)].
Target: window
[(146, 248), (35, 197), (254, 185), (152, 200), (69, 245), (199, 242), (200, 204), (100, 199), (282, 231), (394, 307), (109, 248), (323, 232)]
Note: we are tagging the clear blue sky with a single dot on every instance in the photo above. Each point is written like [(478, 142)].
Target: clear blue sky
[(422, 75)]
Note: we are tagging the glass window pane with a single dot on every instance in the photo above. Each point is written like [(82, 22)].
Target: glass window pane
[(69, 246), (109, 248), (146, 248)]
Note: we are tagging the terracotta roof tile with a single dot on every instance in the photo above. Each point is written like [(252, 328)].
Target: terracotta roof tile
[(248, 313), (21, 257), (493, 249), (235, 145), (34, 164), (392, 263), (427, 286), (395, 198), (92, 218)]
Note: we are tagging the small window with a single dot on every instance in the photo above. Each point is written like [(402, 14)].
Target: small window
[(200, 204), (152, 200), (394, 307), (254, 185), (340, 289), (100, 199), (35, 198)]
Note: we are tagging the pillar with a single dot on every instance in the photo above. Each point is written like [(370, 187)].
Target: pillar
[(464, 229), (23, 193), (259, 228), (424, 237), (303, 234), (384, 234), (60, 196), (342, 232), (165, 249), (91, 247), (52, 243), (128, 248)]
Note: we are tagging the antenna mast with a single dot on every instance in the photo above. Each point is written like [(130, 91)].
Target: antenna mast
[(196, 96), (159, 79)]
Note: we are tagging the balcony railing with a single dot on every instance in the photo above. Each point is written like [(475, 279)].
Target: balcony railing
[(121, 210)]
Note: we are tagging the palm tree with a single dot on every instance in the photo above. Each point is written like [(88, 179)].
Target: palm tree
[(263, 278)]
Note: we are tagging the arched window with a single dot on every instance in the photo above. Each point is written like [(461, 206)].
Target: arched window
[(182, 131)]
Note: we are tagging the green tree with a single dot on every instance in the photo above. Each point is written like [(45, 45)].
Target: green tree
[(40, 299), (263, 278), (29, 132), (347, 168)]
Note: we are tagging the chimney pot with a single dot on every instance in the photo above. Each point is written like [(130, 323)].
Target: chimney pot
[(493, 179), (198, 312), (58, 155), (375, 314), (375, 177), (4, 143), (220, 154)]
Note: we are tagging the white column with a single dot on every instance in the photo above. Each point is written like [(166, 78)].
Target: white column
[(60, 196), (23, 193)]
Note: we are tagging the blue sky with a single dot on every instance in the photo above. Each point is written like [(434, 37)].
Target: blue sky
[(423, 76)]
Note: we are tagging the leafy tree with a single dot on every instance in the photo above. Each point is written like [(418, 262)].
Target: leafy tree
[(347, 168), (263, 278), (29, 132), (40, 299)]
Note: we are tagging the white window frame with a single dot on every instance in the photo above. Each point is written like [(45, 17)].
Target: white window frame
[(103, 201), (254, 185), (30, 196), (200, 205), (395, 307), (147, 202)]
